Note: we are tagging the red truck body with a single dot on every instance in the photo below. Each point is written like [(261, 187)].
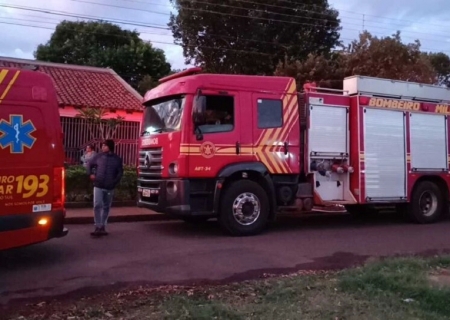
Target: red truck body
[(31, 160), (243, 148)]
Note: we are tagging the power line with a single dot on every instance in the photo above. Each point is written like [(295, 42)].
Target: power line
[(353, 12), (304, 5), (222, 5), (59, 21), (265, 11), (218, 35), (68, 14), (152, 41), (202, 10), (55, 24), (159, 26)]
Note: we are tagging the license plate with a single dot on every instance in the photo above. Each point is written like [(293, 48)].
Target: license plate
[(146, 193), (42, 207)]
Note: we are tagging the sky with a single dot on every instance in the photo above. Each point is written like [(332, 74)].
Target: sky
[(24, 30)]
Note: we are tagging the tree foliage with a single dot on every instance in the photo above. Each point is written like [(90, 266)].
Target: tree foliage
[(251, 37), (441, 63), (102, 44), (384, 57)]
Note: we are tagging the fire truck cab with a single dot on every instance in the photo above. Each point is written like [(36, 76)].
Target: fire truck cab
[(244, 148)]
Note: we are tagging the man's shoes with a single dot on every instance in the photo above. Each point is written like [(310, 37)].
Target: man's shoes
[(96, 232), (103, 232)]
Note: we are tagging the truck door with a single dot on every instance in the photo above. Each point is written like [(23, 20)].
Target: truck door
[(220, 143)]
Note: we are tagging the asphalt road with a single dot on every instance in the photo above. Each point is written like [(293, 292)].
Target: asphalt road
[(175, 252)]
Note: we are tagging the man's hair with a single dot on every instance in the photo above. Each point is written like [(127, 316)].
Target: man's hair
[(110, 144)]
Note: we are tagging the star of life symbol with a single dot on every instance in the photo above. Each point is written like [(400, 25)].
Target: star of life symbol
[(16, 134)]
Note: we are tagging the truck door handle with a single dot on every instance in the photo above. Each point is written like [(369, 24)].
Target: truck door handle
[(238, 147), (285, 148)]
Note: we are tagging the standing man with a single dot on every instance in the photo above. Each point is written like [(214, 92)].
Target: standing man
[(107, 175)]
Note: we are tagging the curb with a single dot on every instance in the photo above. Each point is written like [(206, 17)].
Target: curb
[(124, 218)]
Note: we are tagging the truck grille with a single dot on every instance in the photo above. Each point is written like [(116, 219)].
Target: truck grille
[(150, 163), (149, 172)]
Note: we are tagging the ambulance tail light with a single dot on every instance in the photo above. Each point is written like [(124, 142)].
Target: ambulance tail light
[(59, 188)]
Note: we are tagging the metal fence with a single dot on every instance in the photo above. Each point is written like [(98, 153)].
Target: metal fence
[(78, 134)]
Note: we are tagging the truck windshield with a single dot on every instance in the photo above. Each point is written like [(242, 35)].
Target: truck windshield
[(163, 116)]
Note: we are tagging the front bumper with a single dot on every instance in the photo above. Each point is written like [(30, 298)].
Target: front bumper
[(179, 197)]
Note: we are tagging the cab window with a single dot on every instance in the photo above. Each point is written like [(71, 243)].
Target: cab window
[(270, 113), (219, 115)]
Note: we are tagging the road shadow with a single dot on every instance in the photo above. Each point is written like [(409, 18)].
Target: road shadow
[(30, 257), (289, 223), (180, 229)]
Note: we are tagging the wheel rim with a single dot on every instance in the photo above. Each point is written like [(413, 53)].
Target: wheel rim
[(428, 203), (246, 209)]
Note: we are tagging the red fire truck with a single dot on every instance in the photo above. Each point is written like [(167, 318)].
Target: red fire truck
[(244, 148)]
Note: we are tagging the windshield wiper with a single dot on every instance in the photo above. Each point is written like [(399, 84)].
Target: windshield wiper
[(160, 130)]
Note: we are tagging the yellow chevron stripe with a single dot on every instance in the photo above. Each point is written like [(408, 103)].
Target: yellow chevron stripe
[(263, 137), (3, 74), (280, 133), (292, 114), (9, 86)]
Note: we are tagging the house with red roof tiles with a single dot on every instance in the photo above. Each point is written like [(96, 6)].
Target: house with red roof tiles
[(81, 87)]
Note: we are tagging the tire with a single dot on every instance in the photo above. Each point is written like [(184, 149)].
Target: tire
[(427, 203), (195, 219), (252, 221)]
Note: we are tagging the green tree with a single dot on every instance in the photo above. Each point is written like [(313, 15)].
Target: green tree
[(251, 37), (385, 57), (441, 64), (102, 44)]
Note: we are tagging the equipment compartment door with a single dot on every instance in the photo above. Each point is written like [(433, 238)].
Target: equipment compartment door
[(428, 142), (328, 130), (385, 154)]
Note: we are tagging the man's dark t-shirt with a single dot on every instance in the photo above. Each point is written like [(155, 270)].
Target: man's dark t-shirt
[(108, 170)]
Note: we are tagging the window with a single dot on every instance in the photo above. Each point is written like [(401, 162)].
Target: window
[(219, 114), (163, 116), (270, 113)]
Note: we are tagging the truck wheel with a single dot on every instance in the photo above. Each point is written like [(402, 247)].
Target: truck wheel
[(427, 203), (244, 209)]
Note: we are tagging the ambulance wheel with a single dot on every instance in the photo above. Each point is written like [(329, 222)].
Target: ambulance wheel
[(427, 203), (244, 208)]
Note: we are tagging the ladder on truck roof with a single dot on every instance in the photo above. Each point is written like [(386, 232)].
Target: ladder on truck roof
[(360, 85)]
